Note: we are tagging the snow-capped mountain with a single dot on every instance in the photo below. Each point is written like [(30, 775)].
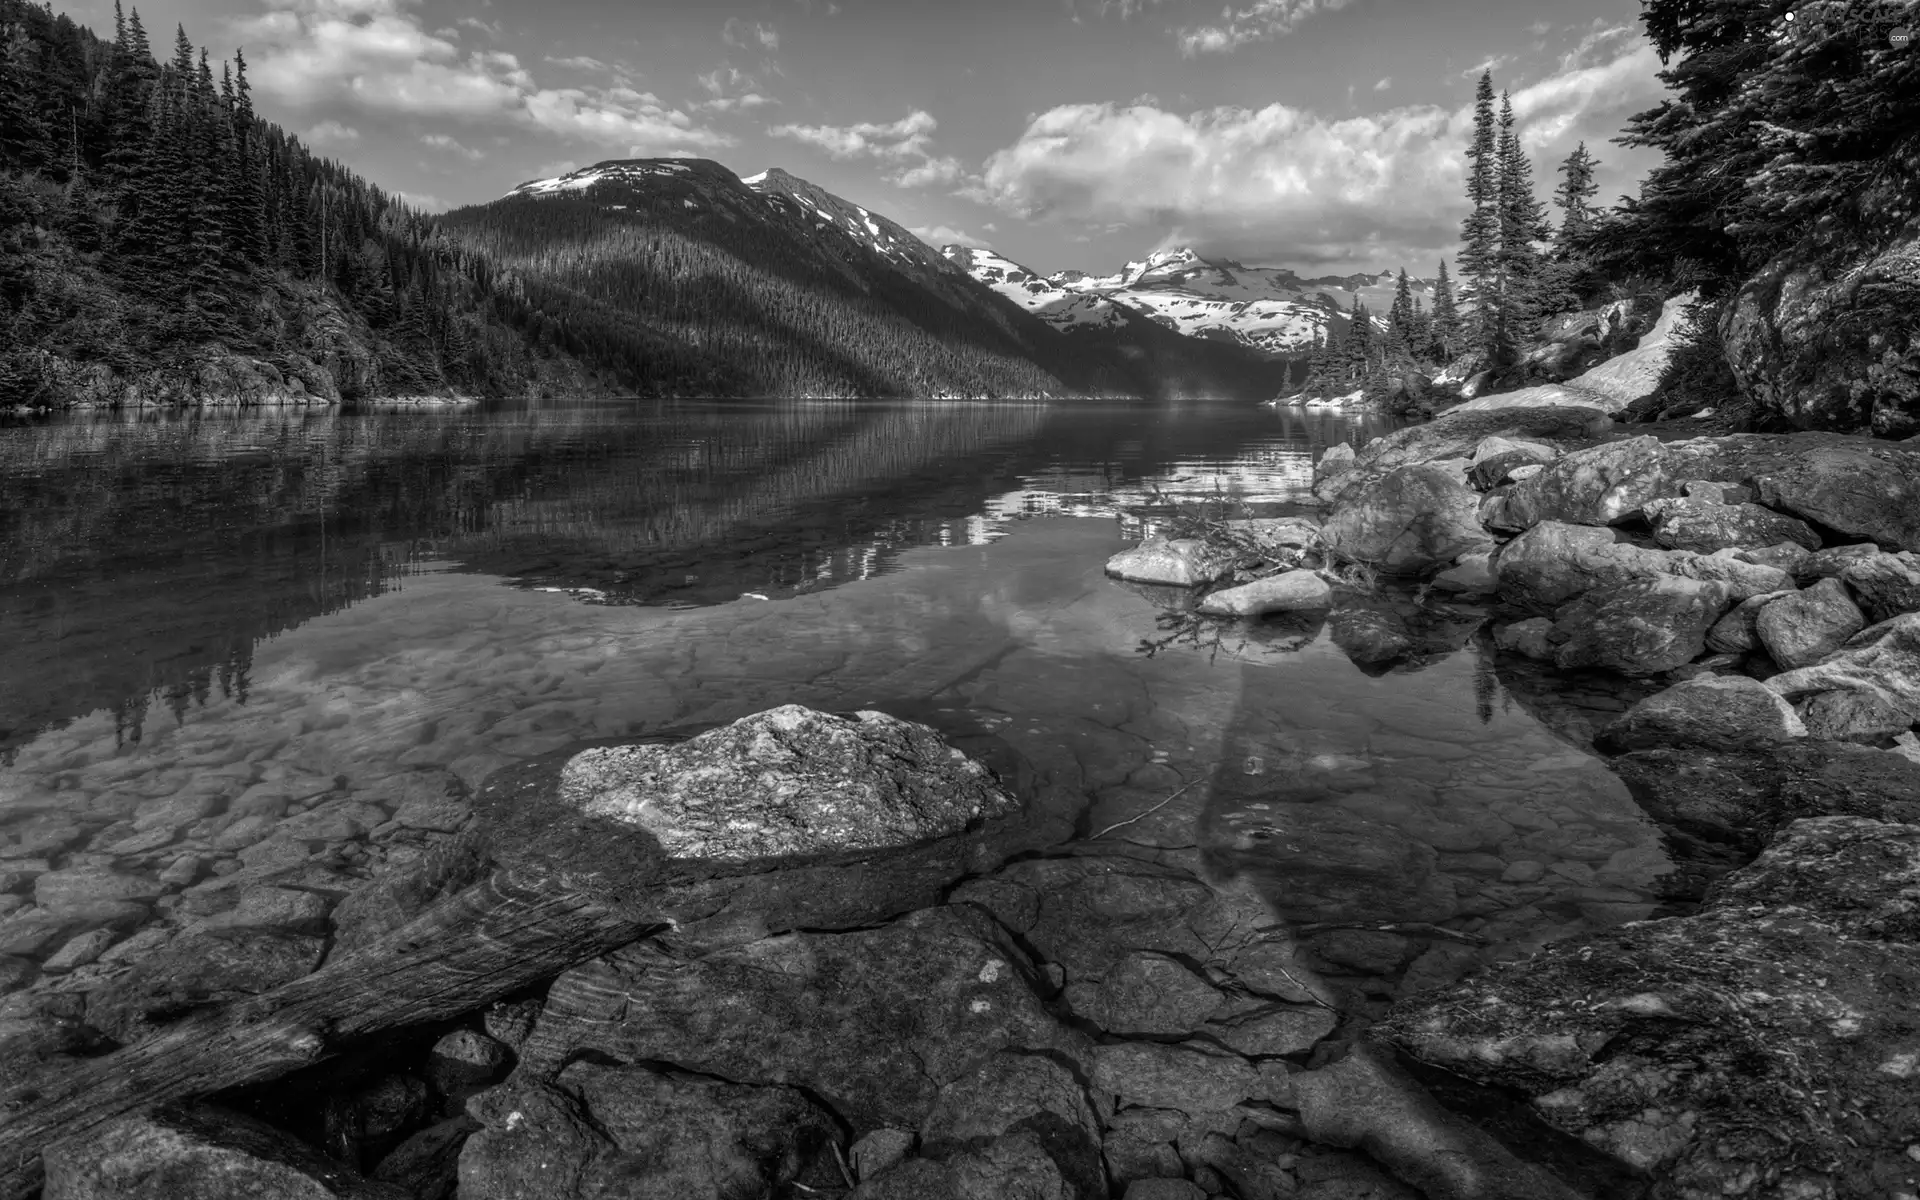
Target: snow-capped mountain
[(1043, 298), (1269, 309)]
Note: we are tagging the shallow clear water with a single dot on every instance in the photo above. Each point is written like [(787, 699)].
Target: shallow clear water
[(292, 599)]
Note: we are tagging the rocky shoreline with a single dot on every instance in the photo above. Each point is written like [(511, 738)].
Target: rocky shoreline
[(1769, 586), (816, 954)]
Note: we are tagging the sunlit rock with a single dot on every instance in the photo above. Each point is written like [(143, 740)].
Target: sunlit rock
[(789, 781)]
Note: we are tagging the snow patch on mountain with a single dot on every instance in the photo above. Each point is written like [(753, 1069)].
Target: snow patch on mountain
[(1041, 297), (586, 177)]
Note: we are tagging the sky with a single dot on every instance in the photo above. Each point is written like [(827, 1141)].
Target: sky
[(1323, 135)]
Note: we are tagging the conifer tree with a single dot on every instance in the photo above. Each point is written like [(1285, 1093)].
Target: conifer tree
[(1480, 231), (1400, 319), (1576, 189), (1446, 318), (1522, 222)]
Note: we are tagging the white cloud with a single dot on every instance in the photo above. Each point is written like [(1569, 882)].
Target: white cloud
[(330, 133), (909, 137), (440, 141), (373, 57), (906, 146), (743, 35), (1283, 183), (1383, 84), (1258, 22), (579, 62), (1485, 65), (746, 103), (947, 235)]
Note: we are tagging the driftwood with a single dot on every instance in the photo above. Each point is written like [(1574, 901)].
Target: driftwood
[(562, 889), (463, 953)]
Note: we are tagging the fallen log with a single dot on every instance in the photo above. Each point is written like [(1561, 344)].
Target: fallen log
[(492, 939)]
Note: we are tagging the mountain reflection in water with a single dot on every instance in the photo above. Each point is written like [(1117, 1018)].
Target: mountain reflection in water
[(144, 554)]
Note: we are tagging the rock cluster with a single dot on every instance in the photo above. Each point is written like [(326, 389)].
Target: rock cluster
[(1092, 1021)]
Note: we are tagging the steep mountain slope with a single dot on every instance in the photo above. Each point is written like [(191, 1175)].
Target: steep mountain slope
[(1270, 310), (773, 286)]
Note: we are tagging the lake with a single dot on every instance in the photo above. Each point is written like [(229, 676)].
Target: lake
[(208, 619)]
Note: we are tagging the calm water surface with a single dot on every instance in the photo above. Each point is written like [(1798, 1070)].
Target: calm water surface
[(307, 600)]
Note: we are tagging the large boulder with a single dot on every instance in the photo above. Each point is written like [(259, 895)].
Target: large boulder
[(788, 781), (1831, 345), (1800, 629), (1762, 1048), (1601, 485), (1854, 486), (1706, 526), (1413, 520), (1887, 584), (1181, 562), (1638, 627), (1883, 660), (1553, 562), (1718, 712)]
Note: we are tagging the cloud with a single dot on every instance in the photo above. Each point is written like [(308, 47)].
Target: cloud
[(905, 145), (422, 201), (371, 56), (440, 141), (746, 103), (579, 62), (1259, 22), (742, 36), (1539, 28), (1383, 84), (1280, 183), (1486, 65), (813, 6), (330, 133), (947, 235)]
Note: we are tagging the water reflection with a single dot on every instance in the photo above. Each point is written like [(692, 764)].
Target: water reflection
[(225, 634), (146, 554)]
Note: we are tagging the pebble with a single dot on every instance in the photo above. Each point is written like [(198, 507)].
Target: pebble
[(1524, 871)]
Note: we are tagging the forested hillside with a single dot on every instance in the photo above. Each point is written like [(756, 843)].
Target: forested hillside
[(160, 242), (773, 290)]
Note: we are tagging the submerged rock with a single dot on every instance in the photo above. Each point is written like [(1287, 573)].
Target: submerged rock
[(602, 1129), (874, 1022), (199, 1152), (789, 781), (1741, 798), (1182, 562), (1762, 1048)]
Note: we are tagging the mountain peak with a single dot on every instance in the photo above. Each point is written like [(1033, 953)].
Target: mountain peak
[(628, 170)]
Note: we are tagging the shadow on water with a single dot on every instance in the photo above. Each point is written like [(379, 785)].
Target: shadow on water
[(145, 555)]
